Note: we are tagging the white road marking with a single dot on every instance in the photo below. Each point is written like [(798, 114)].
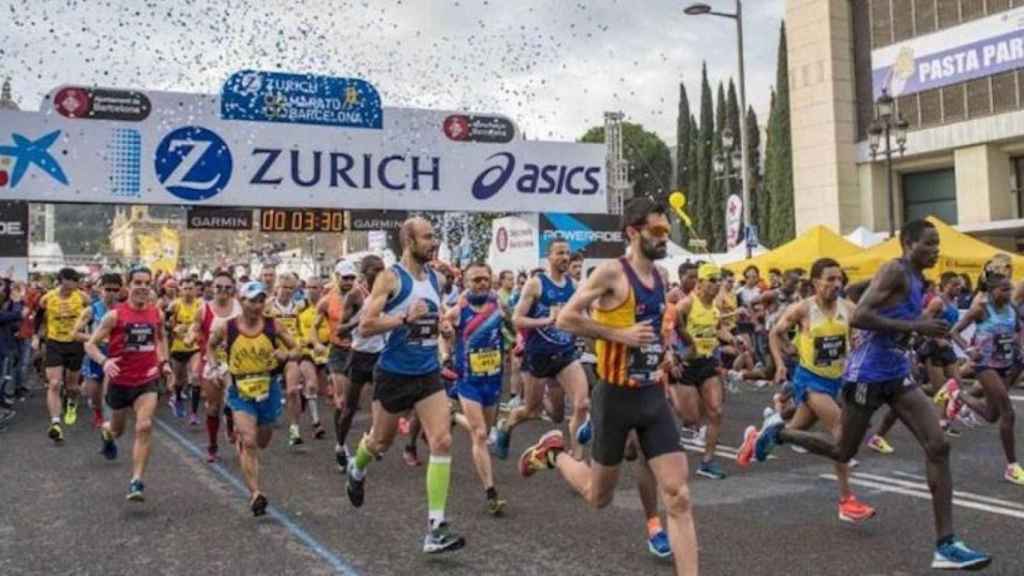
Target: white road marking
[(960, 493), (925, 495)]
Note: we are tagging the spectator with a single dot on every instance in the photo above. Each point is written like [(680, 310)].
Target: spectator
[(10, 318), (23, 338)]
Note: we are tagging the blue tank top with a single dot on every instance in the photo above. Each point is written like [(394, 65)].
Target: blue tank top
[(950, 313), (550, 340), (882, 356), (996, 337), (478, 345), (412, 350), (99, 310), (649, 306)]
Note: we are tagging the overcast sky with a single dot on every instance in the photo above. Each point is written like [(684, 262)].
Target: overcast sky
[(554, 66)]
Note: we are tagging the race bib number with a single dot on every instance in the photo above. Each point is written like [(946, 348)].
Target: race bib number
[(485, 362), (705, 341), (140, 337), (645, 362), (1004, 346), (423, 331), (581, 346), (255, 388), (829, 350)]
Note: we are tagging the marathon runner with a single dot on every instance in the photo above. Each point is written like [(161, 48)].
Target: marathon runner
[(314, 341), (212, 377), (477, 320), (136, 359), (92, 372), (630, 298), (405, 304), (877, 373), (184, 355), (332, 309), (996, 355), (823, 340), (699, 391), (365, 352), (254, 351), (59, 310), (550, 360), (285, 310)]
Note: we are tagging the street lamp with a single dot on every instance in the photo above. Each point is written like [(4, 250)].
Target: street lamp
[(888, 124), (700, 9)]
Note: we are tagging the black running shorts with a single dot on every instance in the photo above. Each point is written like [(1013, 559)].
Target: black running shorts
[(399, 393), (66, 355), (615, 411)]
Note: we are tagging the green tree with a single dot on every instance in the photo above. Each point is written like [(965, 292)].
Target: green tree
[(650, 161), (719, 185), (758, 202), (682, 139), (779, 173), (693, 168), (701, 194)]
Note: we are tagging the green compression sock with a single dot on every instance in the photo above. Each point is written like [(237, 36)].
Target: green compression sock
[(438, 476)]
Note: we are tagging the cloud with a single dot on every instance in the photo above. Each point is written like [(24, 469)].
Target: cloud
[(553, 66)]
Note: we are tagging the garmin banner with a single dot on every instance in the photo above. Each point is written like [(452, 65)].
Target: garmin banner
[(976, 49), (596, 236), (47, 157)]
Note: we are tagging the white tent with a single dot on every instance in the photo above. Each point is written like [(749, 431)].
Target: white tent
[(865, 238), (737, 254)]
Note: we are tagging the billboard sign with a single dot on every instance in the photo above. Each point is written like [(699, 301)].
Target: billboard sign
[(301, 99), (227, 163), (215, 218), (596, 236), (976, 49)]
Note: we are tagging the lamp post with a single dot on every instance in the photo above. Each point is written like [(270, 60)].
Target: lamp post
[(888, 123), (701, 9)]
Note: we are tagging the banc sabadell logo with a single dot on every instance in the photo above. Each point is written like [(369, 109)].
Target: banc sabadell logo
[(536, 178), (193, 163)]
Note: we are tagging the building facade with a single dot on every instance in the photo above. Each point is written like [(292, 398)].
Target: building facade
[(956, 70)]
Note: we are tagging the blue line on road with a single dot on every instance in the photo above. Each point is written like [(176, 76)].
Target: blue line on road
[(336, 562)]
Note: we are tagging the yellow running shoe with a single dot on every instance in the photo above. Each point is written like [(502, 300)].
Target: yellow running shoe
[(1015, 474), (55, 433), (71, 413), (880, 445)]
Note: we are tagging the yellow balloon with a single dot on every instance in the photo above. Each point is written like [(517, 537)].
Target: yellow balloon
[(677, 200)]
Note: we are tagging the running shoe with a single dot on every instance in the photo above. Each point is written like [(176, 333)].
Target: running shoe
[(440, 538), (341, 457), (954, 403), (211, 455), (711, 470), (880, 445), (955, 555), (193, 420), (746, 452), (410, 457), (768, 437), (354, 487), (539, 456), (71, 413), (259, 505), (56, 433), (1014, 474), (135, 489), (502, 441), (294, 435), (318, 431), (798, 449), (659, 545), (584, 433), (97, 420), (854, 511), (109, 448), (496, 506)]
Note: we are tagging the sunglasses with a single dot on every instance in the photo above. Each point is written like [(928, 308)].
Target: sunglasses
[(349, 278), (223, 288), (111, 289), (658, 231)]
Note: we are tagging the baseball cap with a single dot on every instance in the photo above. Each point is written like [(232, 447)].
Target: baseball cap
[(709, 272), (251, 290), (345, 268)]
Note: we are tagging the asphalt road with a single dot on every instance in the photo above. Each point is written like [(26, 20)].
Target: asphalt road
[(63, 511)]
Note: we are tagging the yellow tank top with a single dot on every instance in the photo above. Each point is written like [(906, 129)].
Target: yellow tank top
[(612, 360), (184, 316), (306, 320), (726, 306), (824, 344), (249, 355), (702, 325), (62, 314), (287, 317)]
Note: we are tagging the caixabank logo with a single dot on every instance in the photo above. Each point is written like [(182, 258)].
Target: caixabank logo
[(193, 163), (535, 178), (24, 153)]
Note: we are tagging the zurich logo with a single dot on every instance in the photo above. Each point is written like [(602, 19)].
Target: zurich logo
[(490, 181), (193, 163)]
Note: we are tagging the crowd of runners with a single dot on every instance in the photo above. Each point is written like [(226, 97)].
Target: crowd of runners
[(633, 365)]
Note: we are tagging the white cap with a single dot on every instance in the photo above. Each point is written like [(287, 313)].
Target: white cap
[(345, 268), (252, 289)]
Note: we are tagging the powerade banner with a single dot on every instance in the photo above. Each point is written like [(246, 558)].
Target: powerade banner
[(218, 162), (13, 229), (300, 99), (595, 235), (973, 50)]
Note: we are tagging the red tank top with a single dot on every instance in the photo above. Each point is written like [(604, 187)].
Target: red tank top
[(335, 310), (133, 345)]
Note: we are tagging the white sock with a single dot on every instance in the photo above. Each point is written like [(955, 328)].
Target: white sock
[(435, 517), (314, 408)]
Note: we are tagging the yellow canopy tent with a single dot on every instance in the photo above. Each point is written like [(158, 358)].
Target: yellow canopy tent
[(801, 252), (958, 252)]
